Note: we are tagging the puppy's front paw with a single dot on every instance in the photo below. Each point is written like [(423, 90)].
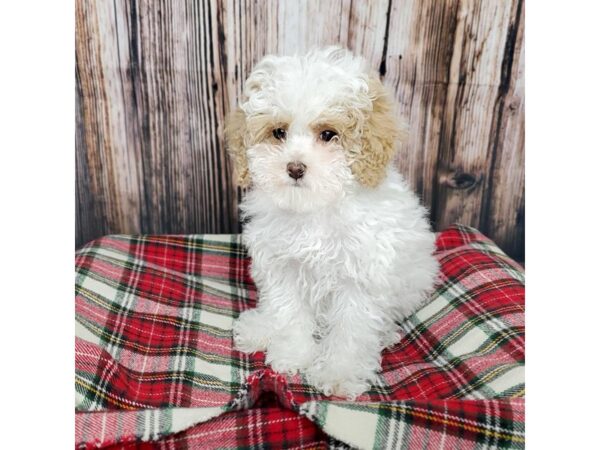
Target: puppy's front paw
[(349, 385), (344, 376), (250, 333), (291, 353)]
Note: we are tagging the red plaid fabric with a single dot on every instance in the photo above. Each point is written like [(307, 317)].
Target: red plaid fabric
[(155, 364), (261, 427)]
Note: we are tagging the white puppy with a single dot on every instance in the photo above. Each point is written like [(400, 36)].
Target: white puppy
[(341, 248)]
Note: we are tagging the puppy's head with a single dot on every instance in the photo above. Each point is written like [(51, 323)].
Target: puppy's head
[(310, 128)]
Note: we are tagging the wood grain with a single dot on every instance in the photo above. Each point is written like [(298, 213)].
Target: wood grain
[(156, 78)]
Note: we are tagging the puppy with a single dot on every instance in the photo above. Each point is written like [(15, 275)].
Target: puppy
[(341, 248)]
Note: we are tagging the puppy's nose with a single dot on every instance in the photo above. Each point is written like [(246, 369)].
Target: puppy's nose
[(296, 170)]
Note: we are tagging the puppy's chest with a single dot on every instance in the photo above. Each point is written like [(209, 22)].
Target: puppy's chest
[(311, 250), (324, 253)]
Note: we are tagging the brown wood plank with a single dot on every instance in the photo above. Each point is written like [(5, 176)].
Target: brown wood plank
[(503, 210), (94, 160), (420, 47), (469, 115), (444, 62)]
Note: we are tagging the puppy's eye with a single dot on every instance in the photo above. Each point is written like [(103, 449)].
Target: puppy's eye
[(327, 135), (280, 134)]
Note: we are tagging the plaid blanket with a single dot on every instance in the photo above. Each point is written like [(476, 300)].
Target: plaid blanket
[(155, 363)]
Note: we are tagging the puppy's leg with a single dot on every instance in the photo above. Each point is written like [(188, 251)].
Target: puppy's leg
[(254, 329), (293, 347), (350, 352), (282, 324)]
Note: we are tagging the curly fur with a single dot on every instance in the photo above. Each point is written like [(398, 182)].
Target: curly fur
[(235, 133), (342, 254)]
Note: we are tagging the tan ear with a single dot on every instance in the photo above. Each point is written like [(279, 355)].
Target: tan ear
[(379, 138), (235, 142)]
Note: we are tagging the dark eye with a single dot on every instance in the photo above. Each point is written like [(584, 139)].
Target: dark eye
[(279, 134), (327, 135)]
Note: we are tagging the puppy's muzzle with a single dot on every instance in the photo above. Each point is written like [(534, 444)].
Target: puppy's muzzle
[(296, 170)]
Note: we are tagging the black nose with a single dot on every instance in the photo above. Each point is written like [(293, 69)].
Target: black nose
[(296, 170)]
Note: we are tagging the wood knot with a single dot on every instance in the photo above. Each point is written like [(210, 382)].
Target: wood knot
[(459, 180)]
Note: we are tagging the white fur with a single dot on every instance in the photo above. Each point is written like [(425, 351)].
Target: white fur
[(336, 264)]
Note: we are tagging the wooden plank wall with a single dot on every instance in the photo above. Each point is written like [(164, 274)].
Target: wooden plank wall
[(155, 79)]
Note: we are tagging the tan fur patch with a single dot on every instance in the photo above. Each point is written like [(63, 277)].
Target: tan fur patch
[(378, 143), (235, 141)]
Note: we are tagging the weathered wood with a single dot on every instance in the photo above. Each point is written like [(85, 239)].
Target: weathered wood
[(448, 69), (156, 78), (416, 67), (503, 211), (474, 105)]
